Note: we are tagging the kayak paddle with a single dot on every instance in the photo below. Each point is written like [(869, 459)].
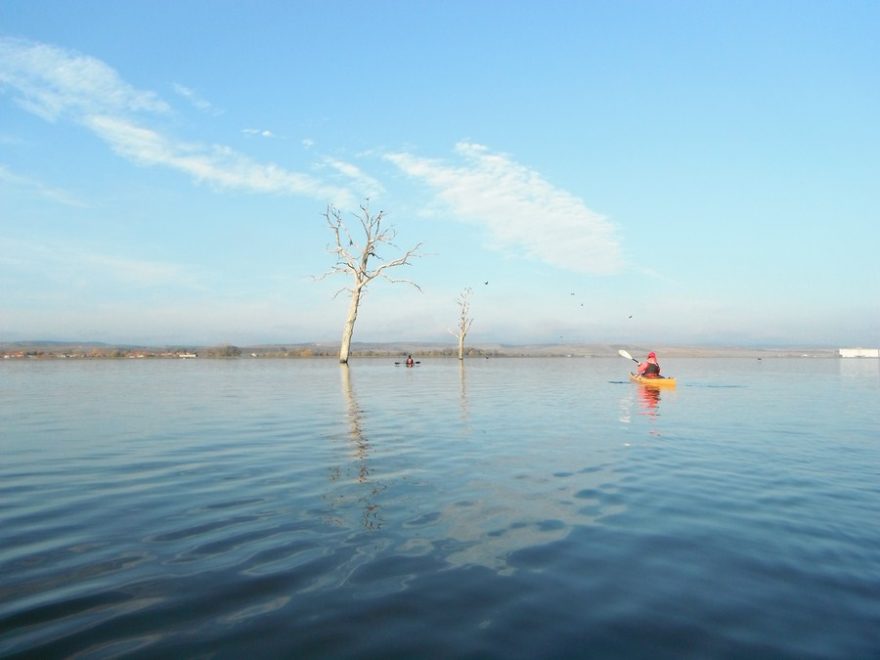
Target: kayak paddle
[(623, 353)]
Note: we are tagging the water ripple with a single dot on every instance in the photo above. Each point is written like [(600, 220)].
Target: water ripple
[(519, 508)]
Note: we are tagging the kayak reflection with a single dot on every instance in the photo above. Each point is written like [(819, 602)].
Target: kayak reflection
[(649, 398)]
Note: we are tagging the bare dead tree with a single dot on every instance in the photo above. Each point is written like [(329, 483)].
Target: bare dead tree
[(353, 257), (464, 319)]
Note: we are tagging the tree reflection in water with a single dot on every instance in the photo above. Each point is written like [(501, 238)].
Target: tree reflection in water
[(367, 488), (465, 412)]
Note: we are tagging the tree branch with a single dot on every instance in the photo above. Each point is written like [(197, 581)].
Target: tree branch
[(354, 259)]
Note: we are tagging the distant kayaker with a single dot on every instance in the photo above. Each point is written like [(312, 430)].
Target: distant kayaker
[(650, 368), (409, 361)]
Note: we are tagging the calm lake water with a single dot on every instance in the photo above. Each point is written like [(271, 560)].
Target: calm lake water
[(521, 508)]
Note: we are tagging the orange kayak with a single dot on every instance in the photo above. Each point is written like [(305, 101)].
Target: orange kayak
[(653, 382)]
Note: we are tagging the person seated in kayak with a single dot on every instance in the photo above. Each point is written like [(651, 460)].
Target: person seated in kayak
[(650, 368), (409, 361)]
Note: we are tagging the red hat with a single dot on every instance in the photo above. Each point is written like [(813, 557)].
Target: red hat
[(652, 354)]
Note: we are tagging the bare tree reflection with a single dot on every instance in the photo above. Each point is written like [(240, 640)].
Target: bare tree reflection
[(355, 425), (371, 518), (463, 398)]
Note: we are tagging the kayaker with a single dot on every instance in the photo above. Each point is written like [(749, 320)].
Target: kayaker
[(650, 368), (409, 361)]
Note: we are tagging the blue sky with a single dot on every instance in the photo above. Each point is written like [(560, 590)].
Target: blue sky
[(629, 172)]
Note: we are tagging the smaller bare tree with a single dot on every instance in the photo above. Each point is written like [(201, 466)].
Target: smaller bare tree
[(464, 319), (353, 258)]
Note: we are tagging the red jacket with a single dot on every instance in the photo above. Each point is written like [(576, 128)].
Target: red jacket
[(650, 368)]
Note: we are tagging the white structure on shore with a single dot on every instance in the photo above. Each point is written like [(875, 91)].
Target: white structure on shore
[(859, 352)]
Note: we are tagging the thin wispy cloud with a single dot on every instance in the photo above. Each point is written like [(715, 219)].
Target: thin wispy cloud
[(258, 132), (55, 83), (51, 82), (142, 272), (11, 140), (39, 188), (65, 262), (195, 99), (521, 210), (216, 165), (365, 185)]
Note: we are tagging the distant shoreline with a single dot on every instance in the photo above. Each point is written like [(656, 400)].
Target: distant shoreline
[(97, 350)]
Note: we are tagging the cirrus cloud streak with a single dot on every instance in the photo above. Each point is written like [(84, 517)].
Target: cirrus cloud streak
[(54, 83), (217, 165), (51, 82), (521, 210)]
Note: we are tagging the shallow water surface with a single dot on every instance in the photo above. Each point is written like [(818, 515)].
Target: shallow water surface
[(512, 508)]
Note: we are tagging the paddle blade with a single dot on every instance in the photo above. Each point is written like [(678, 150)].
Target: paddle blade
[(623, 353)]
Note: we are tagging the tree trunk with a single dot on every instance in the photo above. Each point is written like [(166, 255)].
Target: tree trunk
[(348, 328), (355, 263), (461, 346)]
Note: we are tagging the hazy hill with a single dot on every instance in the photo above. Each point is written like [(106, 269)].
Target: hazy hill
[(399, 348)]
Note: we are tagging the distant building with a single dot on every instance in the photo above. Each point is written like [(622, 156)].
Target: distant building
[(859, 352)]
